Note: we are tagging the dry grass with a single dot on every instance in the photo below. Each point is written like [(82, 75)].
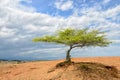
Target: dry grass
[(86, 71), (97, 71)]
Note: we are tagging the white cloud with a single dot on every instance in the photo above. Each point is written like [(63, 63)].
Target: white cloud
[(115, 41), (106, 1), (20, 24), (42, 51), (113, 12), (64, 5), (6, 32)]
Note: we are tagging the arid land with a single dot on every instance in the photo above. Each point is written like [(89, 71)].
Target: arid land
[(38, 70)]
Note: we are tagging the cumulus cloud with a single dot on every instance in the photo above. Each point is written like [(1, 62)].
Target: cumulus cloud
[(20, 23), (17, 20), (64, 5), (6, 32), (106, 1)]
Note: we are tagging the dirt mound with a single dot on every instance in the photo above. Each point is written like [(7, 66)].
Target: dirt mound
[(85, 71)]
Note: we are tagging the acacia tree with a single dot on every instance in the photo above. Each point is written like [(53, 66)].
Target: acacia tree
[(76, 38)]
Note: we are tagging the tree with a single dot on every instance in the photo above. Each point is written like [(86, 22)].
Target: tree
[(76, 38)]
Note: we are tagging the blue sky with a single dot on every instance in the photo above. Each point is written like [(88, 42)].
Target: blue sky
[(23, 20)]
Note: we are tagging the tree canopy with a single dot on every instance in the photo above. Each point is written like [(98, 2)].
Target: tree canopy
[(76, 38)]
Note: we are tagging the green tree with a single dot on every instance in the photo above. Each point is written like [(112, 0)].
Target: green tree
[(76, 38)]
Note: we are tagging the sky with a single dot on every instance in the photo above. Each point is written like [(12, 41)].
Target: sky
[(23, 20)]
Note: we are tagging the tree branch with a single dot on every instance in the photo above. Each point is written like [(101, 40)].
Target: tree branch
[(78, 45)]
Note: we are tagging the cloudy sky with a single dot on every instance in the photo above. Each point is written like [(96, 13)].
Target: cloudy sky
[(23, 20)]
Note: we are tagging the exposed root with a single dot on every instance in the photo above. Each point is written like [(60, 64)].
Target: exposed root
[(64, 64)]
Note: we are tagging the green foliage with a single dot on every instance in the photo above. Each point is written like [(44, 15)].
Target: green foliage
[(76, 38)]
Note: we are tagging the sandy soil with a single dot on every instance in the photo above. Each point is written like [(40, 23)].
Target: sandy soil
[(39, 70)]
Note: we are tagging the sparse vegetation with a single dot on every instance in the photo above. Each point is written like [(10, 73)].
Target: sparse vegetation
[(48, 70), (76, 38), (83, 70)]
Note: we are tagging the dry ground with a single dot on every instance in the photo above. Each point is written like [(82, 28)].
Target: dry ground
[(39, 70)]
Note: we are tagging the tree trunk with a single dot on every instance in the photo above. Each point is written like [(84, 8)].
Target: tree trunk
[(68, 59)]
